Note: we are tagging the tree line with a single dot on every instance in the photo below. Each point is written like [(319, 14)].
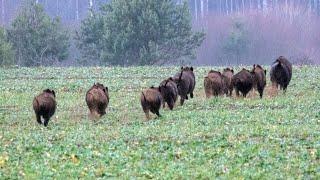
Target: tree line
[(121, 33), (73, 11)]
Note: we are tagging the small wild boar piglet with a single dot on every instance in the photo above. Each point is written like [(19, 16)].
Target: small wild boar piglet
[(259, 78), (151, 100), (186, 83), (227, 76), (243, 82), (281, 73), (44, 105), (97, 99), (214, 84), (169, 92)]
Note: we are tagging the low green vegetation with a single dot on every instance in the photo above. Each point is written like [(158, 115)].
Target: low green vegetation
[(273, 137)]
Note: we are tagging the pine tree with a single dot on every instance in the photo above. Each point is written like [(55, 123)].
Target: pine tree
[(139, 32)]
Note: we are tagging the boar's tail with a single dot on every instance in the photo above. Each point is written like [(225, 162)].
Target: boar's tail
[(36, 104), (144, 97)]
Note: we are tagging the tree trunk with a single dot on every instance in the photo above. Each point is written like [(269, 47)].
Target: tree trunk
[(2, 12), (77, 10)]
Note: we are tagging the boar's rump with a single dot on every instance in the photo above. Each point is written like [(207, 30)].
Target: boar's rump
[(214, 84), (97, 99), (186, 82), (169, 92), (259, 78), (227, 76), (151, 100), (243, 82), (44, 105), (281, 73)]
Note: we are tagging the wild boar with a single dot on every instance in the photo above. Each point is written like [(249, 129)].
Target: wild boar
[(151, 100), (243, 82), (186, 82), (169, 92), (97, 99), (281, 73), (214, 84), (227, 76), (44, 105), (259, 78)]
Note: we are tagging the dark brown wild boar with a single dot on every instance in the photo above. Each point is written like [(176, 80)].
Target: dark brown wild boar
[(281, 73), (97, 99), (259, 78), (227, 76), (151, 100), (44, 105), (243, 82), (169, 92), (186, 82), (214, 84)]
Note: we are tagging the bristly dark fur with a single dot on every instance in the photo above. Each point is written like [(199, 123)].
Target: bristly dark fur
[(151, 100), (186, 82), (259, 78), (281, 73), (97, 99), (227, 76), (169, 92), (44, 105), (214, 84), (242, 82)]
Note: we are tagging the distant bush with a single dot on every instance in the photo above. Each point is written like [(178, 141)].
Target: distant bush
[(38, 39), (6, 51)]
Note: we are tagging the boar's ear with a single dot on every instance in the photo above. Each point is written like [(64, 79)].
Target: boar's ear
[(165, 85), (181, 67), (107, 88), (54, 93), (170, 78), (191, 68), (180, 76), (232, 71), (159, 89), (265, 72)]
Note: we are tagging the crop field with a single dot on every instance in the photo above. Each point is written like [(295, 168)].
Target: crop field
[(274, 137)]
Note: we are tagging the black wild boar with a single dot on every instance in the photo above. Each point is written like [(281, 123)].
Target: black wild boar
[(186, 82), (169, 92), (243, 82), (97, 99), (259, 78), (227, 76), (44, 106), (214, 84), (151, 100), (281, 73)]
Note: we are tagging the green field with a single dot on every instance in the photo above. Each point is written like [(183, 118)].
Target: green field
[(273, 137)]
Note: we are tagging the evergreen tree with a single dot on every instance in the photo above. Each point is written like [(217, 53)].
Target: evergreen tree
[(38, 39), (6, 52), (236, 44), (139, 32)]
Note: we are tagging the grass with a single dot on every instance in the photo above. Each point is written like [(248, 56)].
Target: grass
[(273, 137)]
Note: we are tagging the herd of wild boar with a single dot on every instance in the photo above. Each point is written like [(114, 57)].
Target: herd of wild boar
[(181, 84)]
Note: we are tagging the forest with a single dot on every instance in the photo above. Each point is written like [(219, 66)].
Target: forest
[(236, 31)]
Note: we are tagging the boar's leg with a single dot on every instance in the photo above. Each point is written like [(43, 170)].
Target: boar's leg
[(260, 92), (157, 113), (181, 100), (46, 120), (191, 94), (39, 119)]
